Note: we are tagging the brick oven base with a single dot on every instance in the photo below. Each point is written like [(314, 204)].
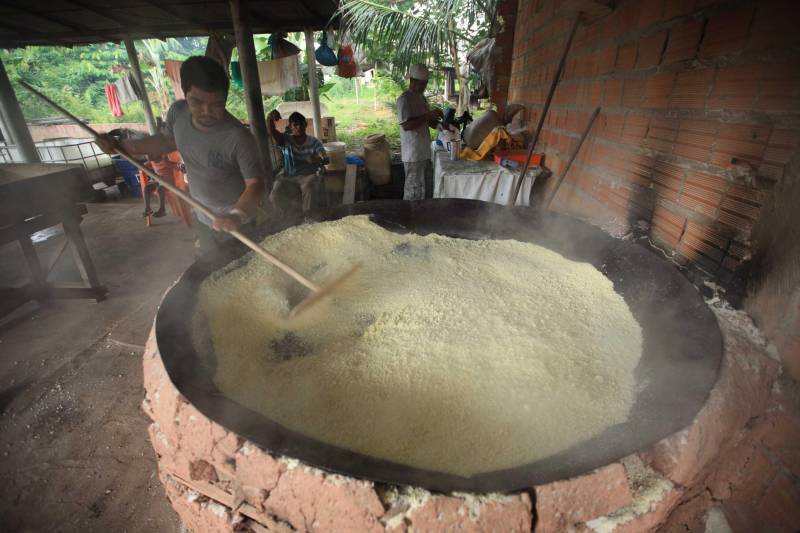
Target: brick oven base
[(218, 481)]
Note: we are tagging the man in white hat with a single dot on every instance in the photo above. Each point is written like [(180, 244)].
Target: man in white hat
[(415, 140)]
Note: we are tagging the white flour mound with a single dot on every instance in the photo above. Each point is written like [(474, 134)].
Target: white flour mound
[(451, 355)]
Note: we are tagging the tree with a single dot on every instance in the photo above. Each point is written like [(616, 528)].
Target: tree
[(405, 32), (77, 76), (153, 51)]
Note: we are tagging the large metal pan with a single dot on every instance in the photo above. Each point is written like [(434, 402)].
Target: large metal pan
[(680, 362)]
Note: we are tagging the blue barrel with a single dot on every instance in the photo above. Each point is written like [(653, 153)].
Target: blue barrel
[(130, 174)]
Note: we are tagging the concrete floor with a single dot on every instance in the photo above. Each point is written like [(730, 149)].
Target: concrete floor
[(74, 451)]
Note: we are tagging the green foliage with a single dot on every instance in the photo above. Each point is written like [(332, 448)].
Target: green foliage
[(374, 112), (399, 34), (77, 76)]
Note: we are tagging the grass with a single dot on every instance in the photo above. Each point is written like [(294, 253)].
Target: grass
[(355, 120)]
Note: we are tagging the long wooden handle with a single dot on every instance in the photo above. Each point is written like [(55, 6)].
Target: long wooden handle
[(182, 195), (573, 156), (543, 115)]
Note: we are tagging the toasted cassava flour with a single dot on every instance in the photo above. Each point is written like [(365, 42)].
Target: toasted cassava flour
[(452, 355)]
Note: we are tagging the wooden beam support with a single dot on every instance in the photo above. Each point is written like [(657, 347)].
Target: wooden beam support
[(15, 129), (133, 58), (252, 85), (313, 82)]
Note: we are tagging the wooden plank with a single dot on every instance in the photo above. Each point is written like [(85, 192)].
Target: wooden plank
[(133, 59), (223, 497), (349, 193), (34, 266), (83, 259), (29, 227)]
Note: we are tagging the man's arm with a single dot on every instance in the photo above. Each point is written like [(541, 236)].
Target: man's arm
[(245, 208), (429, 118), (279, 137), (153, 147), (250, 166)]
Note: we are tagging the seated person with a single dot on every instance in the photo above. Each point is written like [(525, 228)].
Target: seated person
[(303, 155)]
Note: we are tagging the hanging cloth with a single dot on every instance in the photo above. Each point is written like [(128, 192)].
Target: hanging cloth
[(136, 89), (497, 135), (220, 47), (279, 75), (236, 74), (280, 47), (113, 100), (125, 91), (173, 69)]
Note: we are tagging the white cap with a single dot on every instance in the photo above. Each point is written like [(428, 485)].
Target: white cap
[(419, 72)]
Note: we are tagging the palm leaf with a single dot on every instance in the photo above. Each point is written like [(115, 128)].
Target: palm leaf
[(414, 37)]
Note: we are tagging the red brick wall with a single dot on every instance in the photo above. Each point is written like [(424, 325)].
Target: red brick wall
[(700, 115)]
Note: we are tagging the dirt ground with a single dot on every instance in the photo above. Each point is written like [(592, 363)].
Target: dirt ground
[(74, 450)]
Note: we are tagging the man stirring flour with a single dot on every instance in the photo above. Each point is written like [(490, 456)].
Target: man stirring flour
[(415, 141), (220, 154)]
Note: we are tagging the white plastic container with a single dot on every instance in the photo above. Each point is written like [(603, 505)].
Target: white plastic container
[(336, 155)]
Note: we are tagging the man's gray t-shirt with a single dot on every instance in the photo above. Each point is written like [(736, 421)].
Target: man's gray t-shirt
[(415, 145), (218, 161)]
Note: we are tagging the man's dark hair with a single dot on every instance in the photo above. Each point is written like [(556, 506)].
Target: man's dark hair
[(298, 118), (205, 74)]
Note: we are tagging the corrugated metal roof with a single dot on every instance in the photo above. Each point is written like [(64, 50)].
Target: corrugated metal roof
[(74, 22)]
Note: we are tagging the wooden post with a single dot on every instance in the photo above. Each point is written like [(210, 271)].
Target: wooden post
[(133, 59), (252, 86), (15, 130), (313, 82)]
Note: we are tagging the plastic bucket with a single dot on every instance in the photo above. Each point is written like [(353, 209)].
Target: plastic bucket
[(130, 174), (336, 154)]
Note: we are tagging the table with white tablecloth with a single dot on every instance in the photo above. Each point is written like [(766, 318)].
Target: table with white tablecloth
[(479, 180)]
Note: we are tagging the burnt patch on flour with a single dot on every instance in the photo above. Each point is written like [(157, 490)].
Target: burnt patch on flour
[(408, 249), (289, 346), (363, 322)]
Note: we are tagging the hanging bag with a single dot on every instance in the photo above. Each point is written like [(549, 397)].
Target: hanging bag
[(348, 66), (325, 56)]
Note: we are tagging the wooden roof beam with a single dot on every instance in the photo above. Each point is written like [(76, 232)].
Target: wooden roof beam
[(174, 13), (74, 26), (93, 9), (35, 35), (126, 26)]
